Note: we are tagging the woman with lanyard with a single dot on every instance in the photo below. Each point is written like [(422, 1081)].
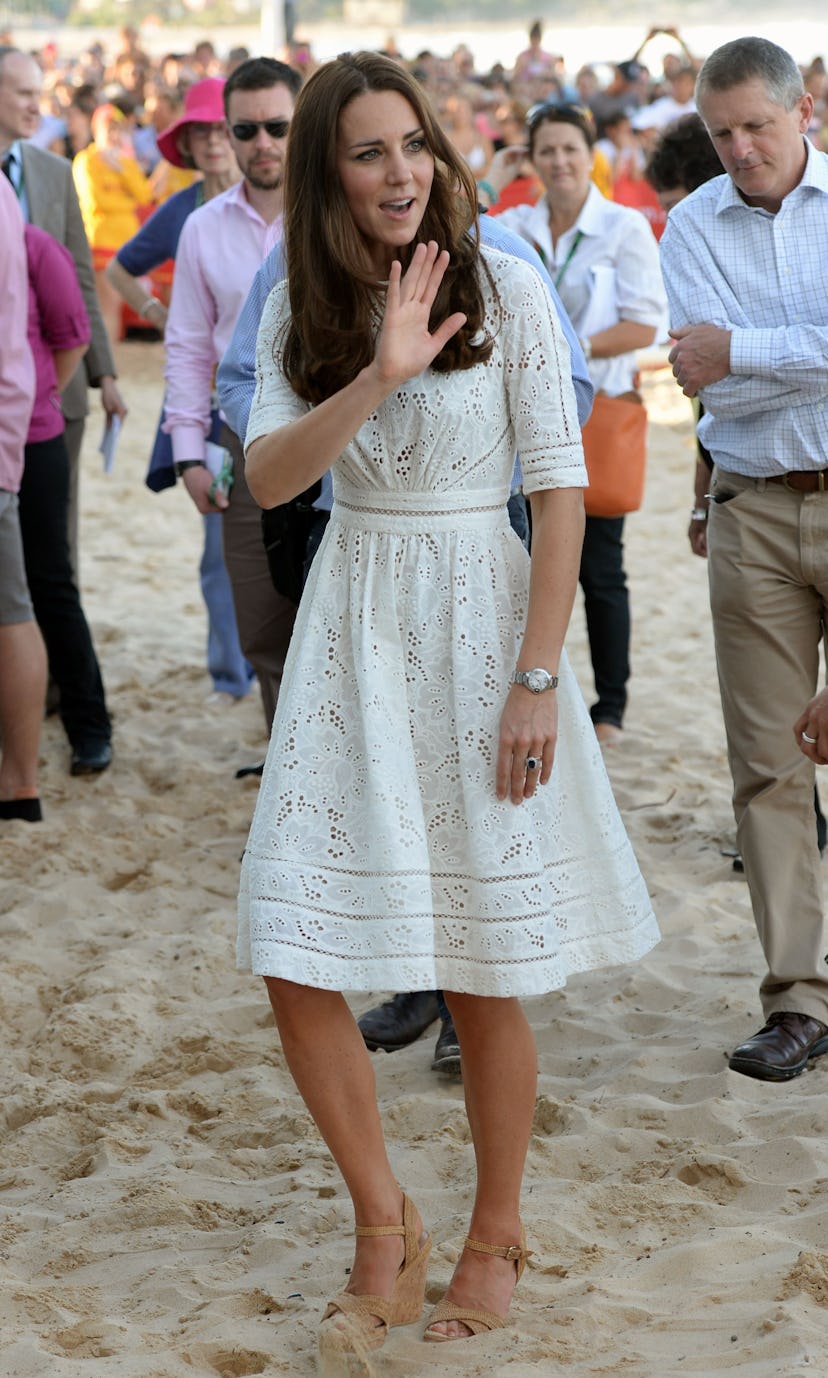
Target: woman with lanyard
[(603, 260), (197, 139)]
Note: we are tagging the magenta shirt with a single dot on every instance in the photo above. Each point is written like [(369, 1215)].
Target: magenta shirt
[(57, 320)]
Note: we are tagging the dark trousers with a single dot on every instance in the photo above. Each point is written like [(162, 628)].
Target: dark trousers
[(73, 665), (607, 607), (264, 618), (73, 438)]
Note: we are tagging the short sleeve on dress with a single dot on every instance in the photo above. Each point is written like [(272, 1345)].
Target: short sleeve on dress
[(536, 359), (275, 404)]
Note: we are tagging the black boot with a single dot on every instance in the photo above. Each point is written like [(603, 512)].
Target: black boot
[(398, 1021), (447, 1051)]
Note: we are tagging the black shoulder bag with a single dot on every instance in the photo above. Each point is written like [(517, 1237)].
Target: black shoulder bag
[(285, 531)]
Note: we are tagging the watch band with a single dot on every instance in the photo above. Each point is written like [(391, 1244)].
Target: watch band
[(184, 464), (536, 680)]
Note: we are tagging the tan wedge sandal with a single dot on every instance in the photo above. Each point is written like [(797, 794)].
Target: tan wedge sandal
[(480, 1320), (343, 1342)]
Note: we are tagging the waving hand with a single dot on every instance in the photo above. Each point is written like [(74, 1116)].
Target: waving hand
[(404, 345)]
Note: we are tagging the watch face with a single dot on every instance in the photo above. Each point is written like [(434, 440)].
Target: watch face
[(537, 680)]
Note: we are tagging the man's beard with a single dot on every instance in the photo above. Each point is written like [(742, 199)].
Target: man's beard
[(271, 183)]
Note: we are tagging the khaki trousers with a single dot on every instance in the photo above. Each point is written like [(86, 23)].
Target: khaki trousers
[(768, 568), (264, 618)]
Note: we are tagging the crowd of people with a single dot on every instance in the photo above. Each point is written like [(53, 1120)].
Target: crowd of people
[(400, 287)]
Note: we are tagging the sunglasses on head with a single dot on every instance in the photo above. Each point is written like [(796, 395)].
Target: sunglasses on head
[(246, 130), (547, 110)]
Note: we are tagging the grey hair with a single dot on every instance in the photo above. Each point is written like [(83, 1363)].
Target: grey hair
[(746, 59)]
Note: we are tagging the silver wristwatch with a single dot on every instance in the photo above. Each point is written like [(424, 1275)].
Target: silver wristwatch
[(536, 680)]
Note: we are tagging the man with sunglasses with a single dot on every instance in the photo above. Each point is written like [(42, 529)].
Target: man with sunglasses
[(220, 250)]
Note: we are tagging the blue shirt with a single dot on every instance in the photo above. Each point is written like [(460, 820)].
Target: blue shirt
[(762, 277), (157, 239), (236, 377)]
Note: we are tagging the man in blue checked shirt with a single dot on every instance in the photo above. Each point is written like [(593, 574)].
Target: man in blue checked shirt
[(402, 1019), (743, 260)]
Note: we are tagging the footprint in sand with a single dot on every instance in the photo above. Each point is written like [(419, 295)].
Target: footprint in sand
[(718, 1178)]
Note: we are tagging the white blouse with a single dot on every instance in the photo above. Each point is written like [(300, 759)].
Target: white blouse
[(611, 274)]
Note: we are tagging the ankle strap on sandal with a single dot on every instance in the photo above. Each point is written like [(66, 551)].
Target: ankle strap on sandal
[(515, 1252), (372, 1231)]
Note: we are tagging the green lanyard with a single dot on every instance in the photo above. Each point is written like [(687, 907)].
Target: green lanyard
[(576, 241)]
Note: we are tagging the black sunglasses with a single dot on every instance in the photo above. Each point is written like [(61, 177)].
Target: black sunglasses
[(246, 130)]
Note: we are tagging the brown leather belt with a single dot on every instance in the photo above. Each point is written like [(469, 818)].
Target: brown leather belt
[(803, 480)]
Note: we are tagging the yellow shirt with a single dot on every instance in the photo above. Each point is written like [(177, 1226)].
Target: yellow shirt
[(109, 197), (602, 173)]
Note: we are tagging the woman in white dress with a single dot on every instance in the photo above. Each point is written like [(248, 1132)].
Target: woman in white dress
[(422, 821)]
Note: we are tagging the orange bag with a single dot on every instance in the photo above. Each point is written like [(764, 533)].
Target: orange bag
[(615, 450)]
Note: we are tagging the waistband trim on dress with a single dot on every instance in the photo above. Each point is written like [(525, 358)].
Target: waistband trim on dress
[(391, 509)]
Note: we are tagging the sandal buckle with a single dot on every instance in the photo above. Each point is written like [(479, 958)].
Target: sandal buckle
[(513, 1253)]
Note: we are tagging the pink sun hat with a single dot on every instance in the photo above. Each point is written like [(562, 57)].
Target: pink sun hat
[(203, 104)]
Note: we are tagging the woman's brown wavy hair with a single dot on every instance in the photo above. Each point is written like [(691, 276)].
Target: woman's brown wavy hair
[(331, 283)]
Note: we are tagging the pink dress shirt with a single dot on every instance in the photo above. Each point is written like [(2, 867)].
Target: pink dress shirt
[(16, 368), (57, 320), (221, 248)]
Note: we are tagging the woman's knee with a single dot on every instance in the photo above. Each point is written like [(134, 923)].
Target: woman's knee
[(292, 1001)]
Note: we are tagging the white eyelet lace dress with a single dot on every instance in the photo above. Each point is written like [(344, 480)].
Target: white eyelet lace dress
[(379, 857)]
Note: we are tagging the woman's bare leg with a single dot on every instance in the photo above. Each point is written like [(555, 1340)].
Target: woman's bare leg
[(22, 698), (332, 1069), (499, 1061)]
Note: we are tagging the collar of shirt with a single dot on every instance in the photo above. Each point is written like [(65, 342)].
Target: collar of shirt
[(590, 217), (13, 153), (19, 183), (238, 196)]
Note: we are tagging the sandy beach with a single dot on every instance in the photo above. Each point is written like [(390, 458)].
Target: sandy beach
[(167, 1209)]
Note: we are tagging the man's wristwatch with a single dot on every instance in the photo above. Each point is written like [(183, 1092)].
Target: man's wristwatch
[(699, 514), (184, 464), (537, 680)]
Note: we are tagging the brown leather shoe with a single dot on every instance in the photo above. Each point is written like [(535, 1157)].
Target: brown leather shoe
[(782, 1049)]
